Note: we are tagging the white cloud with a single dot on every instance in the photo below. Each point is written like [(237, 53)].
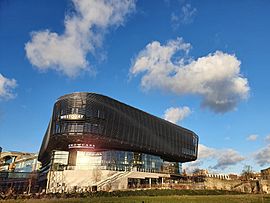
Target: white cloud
[(185, 16), (226, 158), (252, 137), (205, 152), (221, 158), (177, 114), (6, 87), (84, 30), (215, 77), (262, 156)]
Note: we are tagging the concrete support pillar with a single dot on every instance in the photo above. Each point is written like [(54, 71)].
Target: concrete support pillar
[(150, 182)]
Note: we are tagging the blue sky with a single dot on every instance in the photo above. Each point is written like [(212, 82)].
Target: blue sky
[(201, 64)]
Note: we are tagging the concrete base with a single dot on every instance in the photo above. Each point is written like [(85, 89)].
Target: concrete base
[(89, 180)]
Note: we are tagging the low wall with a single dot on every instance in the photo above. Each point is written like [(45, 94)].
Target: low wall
[(84, 180), (251, 186)]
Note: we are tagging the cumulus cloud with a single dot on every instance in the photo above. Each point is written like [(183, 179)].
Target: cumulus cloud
[(185, 16), (6, 87), (262, 157), (252, 137), (215, 77), (84, 30), (205, 152), (226, 158), (177, 114), (222, 158)]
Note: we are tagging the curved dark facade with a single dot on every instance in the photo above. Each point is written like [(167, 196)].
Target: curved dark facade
[(101, 123)]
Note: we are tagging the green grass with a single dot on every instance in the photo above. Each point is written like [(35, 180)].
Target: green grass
[(148, 192), (244, 198), (149, 196)]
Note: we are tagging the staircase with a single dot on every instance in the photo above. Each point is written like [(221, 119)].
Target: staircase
[(112, 179)]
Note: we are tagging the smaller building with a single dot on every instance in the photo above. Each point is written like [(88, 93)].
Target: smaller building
[(233, 176), (219, 176), (19, 162), (200, 172), (18, 171), (265, 174)]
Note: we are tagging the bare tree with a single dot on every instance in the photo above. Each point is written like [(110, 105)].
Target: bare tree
[(196, 171), (247, 172), (31, 181)]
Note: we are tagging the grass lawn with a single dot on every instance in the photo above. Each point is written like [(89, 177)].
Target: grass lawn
[(244, 198)]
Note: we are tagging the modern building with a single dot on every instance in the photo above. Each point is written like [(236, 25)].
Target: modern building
[(93, 141)]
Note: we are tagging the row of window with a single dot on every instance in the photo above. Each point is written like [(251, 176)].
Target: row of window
[(188, 148), (90, 113), (78, 128), (117, 160)]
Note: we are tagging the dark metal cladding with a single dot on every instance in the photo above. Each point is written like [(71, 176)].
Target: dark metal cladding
[(111, 125)]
